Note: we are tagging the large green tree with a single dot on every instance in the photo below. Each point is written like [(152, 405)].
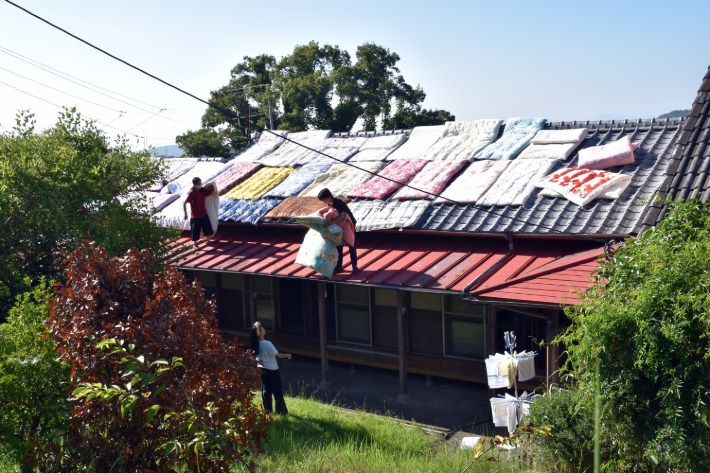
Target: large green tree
[(643, 334), (62, 186), (314, 87)]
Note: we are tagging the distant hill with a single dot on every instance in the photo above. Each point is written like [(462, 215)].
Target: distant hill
[(170, 151), (675, 114)]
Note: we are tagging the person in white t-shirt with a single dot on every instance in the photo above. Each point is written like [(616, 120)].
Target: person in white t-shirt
[(266, 355)]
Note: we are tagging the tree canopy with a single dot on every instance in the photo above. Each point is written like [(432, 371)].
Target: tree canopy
[(314, 87), (646, 330), (63, 186)]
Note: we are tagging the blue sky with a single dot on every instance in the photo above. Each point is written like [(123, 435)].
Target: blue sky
[(552, 59)]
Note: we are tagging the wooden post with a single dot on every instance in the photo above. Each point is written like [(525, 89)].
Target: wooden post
[(402, 344), (324, 372)]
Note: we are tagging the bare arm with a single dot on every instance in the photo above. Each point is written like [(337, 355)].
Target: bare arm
[(184, 208), (284, 355)]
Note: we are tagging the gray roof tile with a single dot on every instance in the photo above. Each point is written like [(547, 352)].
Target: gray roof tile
[(557, 216)]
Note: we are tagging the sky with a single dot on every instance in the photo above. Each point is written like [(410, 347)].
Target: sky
[(560, 60)]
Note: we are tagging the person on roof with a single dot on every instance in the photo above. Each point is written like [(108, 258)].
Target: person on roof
[(339, 213), (199, 220)]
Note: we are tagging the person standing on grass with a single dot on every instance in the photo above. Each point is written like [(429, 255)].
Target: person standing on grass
[(340, 214), (266, 355), (199, 221)]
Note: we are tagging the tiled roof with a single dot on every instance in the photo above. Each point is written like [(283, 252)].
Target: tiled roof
[(688, 175), (557, 216)]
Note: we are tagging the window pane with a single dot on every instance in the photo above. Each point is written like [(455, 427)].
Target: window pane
[(230, 311), (207, 278), (291, 317), (384, 327), (457, 305), (425, 332), (425, 301), (353, 324), (356, 294), (264, 308), (386, 297), (261, 285), (232, 281), (465, 337)]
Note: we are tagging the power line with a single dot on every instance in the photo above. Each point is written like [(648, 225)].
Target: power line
[(70, 78), (37, 63), (61, 91), (60, 106), (230, 114)]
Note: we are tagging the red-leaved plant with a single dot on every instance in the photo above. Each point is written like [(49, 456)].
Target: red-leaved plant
[(162, 388)]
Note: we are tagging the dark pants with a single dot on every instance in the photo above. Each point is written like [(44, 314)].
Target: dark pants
[(197, 224), (271, 386), (353, 257)]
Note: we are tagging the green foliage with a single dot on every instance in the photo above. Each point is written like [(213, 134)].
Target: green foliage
[(569, 447), (203, 142), (32, 380), (63, 186), (172, 391), (313, 87), (316, 437), (647, 326), (407, 119)]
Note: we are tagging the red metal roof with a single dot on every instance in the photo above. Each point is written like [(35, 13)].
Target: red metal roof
[(542, 272), (537, 271)]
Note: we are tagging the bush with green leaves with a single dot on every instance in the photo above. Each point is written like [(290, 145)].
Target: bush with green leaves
[(646, 328), (569, 446), (65, 185), (33, 382)]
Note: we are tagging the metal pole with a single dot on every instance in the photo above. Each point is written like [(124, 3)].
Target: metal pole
[(324, 372), (402, 343)]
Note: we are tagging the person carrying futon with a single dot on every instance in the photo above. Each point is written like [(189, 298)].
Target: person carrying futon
[(339, 213), (199, 220)]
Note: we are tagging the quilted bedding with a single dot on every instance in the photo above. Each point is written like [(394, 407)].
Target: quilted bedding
[(234, 174), (319, 248), (298, 180), (476, 179), (581, 186), (382, 185), (517, 134), (379, 215), (342, 178), (267, 143), (332, 155), (259, 183), (554, 144), (420, 139), (173, 214), (294, 206), (517, 182), (245, 211), (205, 170), (431, 180), (174, 168), (462, 140), (378, 148), (290, 153)]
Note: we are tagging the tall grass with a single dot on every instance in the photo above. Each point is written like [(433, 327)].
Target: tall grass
[(316, 437)]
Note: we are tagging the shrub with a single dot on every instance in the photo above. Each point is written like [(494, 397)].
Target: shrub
[(569, 445), (646, 326), (150, 370), (32, 381)]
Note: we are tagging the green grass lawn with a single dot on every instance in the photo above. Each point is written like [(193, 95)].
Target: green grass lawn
[(316, 437)]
